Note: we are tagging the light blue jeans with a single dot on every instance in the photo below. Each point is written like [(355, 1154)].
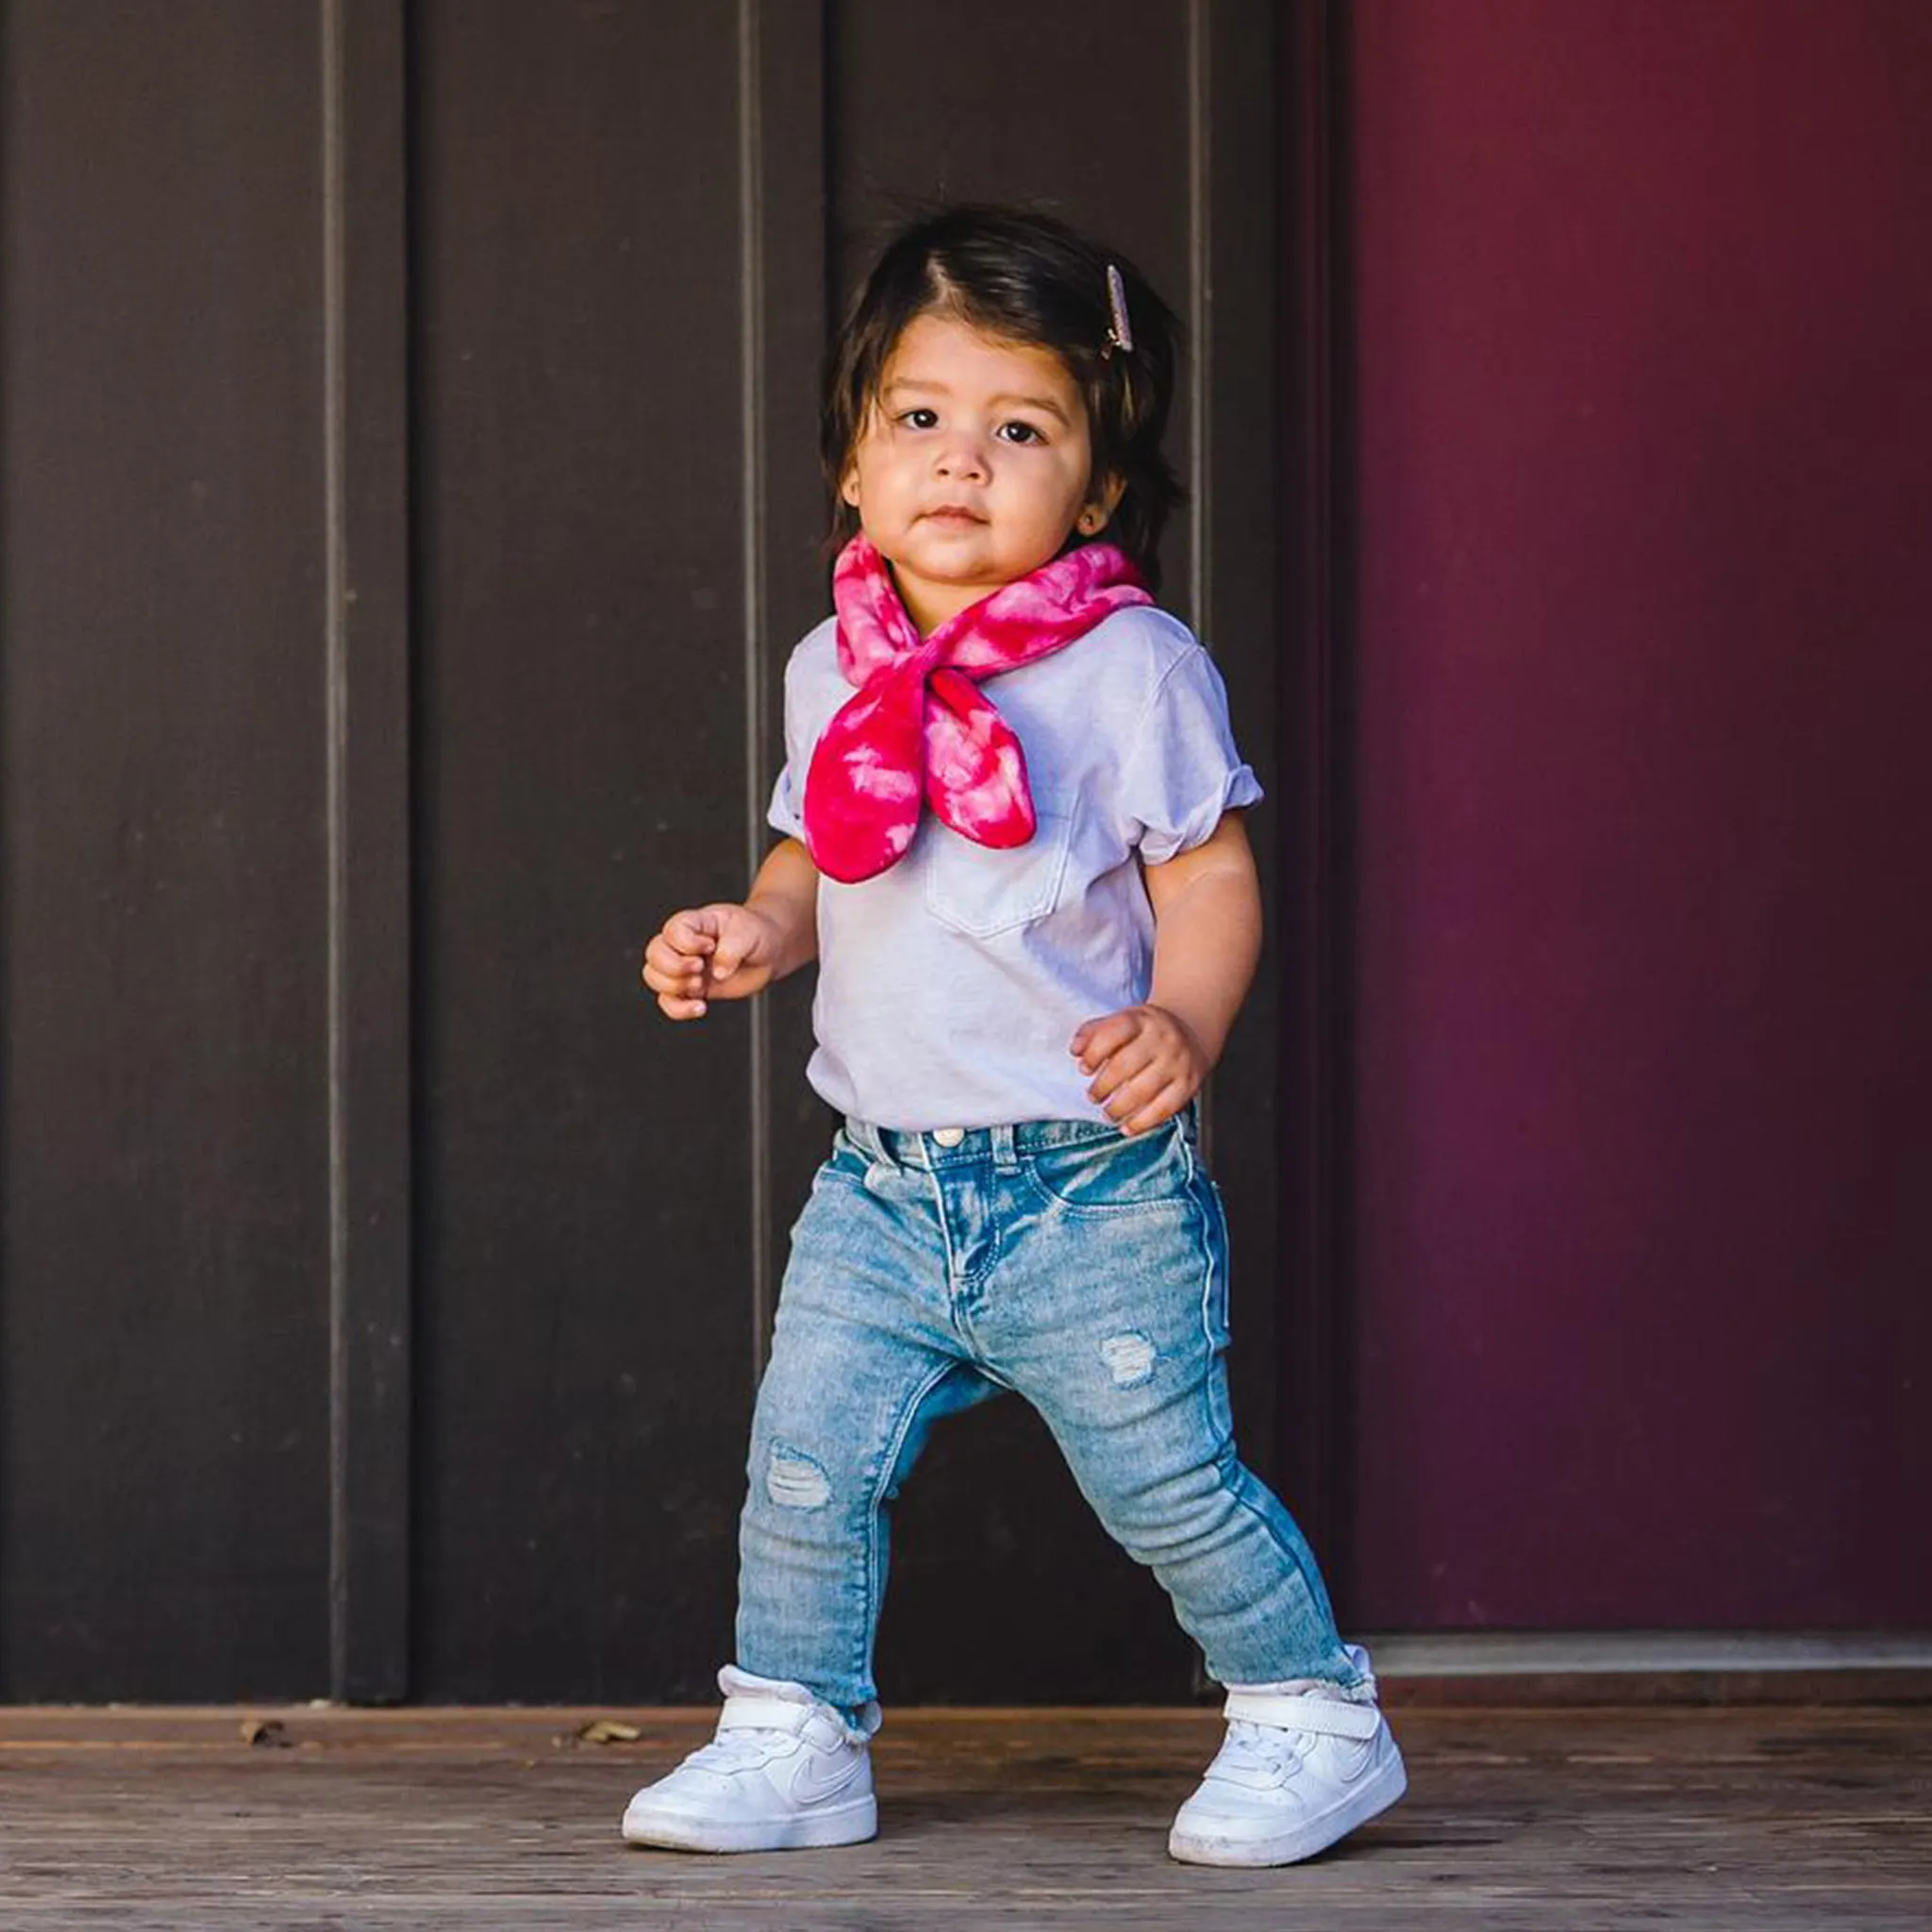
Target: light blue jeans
[(1083, 1269)]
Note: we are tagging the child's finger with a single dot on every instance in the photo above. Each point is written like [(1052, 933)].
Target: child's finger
[(1165, 1104), (1126, 1063), (666, 961), (740, 933), (676, 1007), (692, 931), (1095, 1041), (680, 992), (666, 971), (1129, 1097), (663, 960)]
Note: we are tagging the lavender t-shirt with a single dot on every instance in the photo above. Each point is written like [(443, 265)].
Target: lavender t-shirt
[(950, 985)]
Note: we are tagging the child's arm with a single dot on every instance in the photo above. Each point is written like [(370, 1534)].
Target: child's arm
[(727, 951), (1149, 1062)]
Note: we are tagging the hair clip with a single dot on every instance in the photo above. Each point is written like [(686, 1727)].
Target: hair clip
[(1120, 331)]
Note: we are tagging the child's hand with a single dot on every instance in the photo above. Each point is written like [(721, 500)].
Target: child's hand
[(708, 952), (1147, 1065)]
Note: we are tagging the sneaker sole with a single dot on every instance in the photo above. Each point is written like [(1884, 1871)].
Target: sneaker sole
[(1368, 1799), (850, 1823)]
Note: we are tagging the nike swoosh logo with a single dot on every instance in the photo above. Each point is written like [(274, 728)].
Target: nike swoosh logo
[(812, 1787)]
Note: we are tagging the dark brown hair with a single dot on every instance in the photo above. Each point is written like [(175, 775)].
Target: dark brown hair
[(1023, 278)]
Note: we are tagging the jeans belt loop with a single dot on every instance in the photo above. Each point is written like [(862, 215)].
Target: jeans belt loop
[(1006, 1156)]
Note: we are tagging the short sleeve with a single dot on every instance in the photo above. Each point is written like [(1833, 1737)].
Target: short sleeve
[(785, 813), (1183, 771)]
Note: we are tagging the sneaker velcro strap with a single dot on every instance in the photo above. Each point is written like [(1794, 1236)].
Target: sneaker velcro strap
[(748, 1711), (1331, 1717)]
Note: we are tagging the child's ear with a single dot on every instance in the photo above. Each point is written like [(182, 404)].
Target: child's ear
[(848, 490), (1101, 506)]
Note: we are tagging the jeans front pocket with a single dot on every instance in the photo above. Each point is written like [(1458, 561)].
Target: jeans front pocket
[(982, 892), (1117, 1172)]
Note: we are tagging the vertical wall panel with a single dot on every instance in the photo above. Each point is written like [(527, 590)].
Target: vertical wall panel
[(367, 672), (1312, 984), (782, 124), (1234, 594), (585, 1229), (163, 1380)]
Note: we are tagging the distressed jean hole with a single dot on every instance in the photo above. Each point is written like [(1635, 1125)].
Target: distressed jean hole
[(1129, 1357), (794, 1481)]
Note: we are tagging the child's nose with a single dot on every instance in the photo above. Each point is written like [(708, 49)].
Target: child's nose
[(961, 459)]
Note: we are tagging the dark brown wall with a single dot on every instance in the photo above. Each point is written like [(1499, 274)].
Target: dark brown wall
[(1640, 301), (408, 500), (164, 1523), (584, 1388)]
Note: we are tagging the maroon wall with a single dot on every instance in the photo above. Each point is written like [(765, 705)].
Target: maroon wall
[(1642, 319)]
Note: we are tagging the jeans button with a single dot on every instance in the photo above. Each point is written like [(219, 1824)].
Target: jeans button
[(949, 1137)]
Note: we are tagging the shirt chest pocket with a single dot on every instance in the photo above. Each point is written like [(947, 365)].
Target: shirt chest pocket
[(982, 893)]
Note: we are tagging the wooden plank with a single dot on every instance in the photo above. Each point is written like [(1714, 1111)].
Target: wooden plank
[(1736, 1821)]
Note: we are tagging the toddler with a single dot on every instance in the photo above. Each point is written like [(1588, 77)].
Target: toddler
[(1011, 811)]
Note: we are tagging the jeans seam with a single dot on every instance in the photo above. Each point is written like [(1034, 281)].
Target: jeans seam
[(1289, 1560), (1228, 1458), (1206, 1210), (1217, 1411), (995, 1247), (939, 1207), (875, 1504)]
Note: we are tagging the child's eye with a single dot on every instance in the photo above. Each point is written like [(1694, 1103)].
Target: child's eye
[(919, 418), (1020, 432)]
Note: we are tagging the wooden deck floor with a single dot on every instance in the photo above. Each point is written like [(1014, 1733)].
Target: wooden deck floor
[(1751, 1817)]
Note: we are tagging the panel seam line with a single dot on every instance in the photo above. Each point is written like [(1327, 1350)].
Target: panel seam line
[(750, 402), (335, 649)]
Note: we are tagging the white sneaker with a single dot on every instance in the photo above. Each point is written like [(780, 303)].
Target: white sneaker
[(784, 1771), (1304, 1763)]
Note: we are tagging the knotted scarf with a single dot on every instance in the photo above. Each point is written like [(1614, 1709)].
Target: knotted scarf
[(919, 728)]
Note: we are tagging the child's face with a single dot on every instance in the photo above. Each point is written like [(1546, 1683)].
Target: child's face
[(974, 465)]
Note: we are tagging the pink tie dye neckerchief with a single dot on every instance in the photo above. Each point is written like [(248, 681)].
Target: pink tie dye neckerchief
[(919, 728)]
